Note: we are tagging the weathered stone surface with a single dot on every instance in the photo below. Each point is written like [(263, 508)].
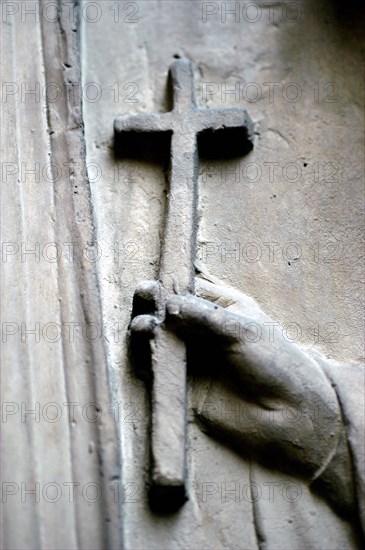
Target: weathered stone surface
[(309, 198), (281, 225)]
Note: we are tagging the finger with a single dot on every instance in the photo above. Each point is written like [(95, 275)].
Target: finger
[(211, 288), (213, 292), (144, 325), (223, 295), (197, 315), (220, 407)]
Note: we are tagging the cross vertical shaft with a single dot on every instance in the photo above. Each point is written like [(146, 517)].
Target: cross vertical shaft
[(177, 257), (176, 277)]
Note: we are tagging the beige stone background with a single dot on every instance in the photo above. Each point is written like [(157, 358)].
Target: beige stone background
[(313, 198)]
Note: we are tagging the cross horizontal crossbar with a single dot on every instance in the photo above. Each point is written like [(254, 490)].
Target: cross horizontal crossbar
[(192, 122)]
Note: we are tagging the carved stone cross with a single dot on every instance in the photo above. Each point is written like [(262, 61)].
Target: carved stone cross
[(226, 132)]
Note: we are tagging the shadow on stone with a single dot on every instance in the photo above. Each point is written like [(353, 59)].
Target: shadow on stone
[(224, 144), (166, 500), (150, 146)]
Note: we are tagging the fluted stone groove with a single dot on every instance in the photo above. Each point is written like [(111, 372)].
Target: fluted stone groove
[(55, 209)]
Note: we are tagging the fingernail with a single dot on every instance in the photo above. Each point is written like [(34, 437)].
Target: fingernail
[(173, 305)]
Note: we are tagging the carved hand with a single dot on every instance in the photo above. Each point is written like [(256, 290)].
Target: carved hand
[(257, 391)]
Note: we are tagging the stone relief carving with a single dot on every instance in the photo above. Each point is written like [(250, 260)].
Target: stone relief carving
[(231, 351), (290, 412)]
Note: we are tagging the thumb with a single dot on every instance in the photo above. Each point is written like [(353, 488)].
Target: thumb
[(197, 316)]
